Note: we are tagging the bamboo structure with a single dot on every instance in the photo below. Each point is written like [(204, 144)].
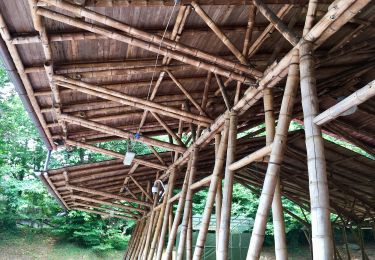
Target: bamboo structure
[(90, 75), (227, 189), (319, 195), (276, 157)]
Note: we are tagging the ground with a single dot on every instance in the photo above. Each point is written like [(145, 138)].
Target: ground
[(31, 246)]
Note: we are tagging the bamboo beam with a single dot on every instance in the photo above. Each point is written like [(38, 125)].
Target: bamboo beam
[(166, 127), (130, 214), (103, 213), (128, 100), (266, 33), (107, 203), (108, 195), (141, 188), (117, 132), (210, 23), (186, 93), (318, 186), (5, 34), (115, 154), (255, 156), (288, 34), (276, 158), (169, 3), (53, 187), (227, 190), (357, 98), (187, 207), (215, 180), (146, 40), (221, 85)]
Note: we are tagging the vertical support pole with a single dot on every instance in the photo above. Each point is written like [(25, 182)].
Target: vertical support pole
[(277, 208), (181, 203), (319, 195), (187, 207), (189, 238), (219, 191), (161, 218), (346, 241), (276, 158), (151, 227), (228, 190), (166, 215), (215, 180)]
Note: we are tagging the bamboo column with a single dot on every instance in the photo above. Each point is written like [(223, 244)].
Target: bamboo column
[(227, 190), (219, 191), (188, 207), (189, 237), (162, 216), (277, 208), (166, 214), (276, 158), (180, 207), (215, 180), (318, 186)]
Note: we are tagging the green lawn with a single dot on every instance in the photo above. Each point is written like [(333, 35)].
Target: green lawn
[(22, 245)]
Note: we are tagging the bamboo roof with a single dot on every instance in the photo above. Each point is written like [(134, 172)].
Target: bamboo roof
[(89, 72)]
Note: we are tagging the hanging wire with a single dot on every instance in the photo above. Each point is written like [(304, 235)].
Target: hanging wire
[(157, 55)]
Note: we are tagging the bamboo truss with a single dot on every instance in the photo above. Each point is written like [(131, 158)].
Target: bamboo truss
[(112, 105)]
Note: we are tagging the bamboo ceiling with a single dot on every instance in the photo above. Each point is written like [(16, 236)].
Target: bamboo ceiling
[(87, 71)]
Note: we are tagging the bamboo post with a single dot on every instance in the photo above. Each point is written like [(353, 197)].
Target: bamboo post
[(318, 186), (277, 208), (223, 92), (215, 180), (219, 190), (188, 206), (227, 190), (161, 218), (276, 158), (189, 237), (180, 207), (166, 215), (354, 99)]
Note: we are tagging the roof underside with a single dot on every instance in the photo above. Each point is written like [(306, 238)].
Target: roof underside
[(344, 63)]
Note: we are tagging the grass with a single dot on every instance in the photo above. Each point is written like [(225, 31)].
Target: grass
[(26, 244)]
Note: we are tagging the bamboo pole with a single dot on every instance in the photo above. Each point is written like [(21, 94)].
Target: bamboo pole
[(186, 93), (115, 154), (259, 154), (189, 237), (161, 218), (180, 207), (147, 46), (102, 213), (227, 190), (5, 34), (151, 227), (276, 158), (277, 208), (128, 100), (187, 207), (166, 215), (215, 180), (121, 206), (354, 99), (169, 130), (210, 23), (108, 195), (318, 186), (288, 34), (266, 32), (151, 38), (121, 133), (220, 83), (141, 188)]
